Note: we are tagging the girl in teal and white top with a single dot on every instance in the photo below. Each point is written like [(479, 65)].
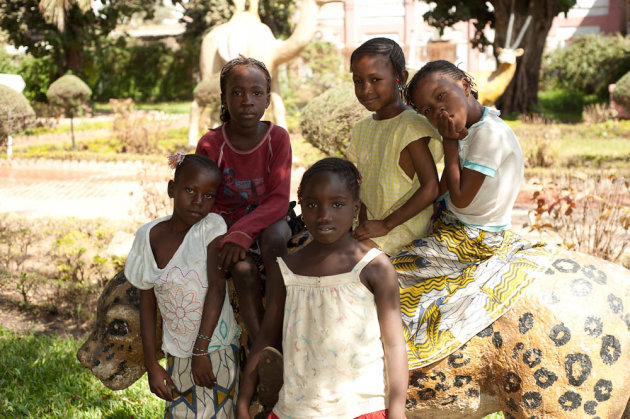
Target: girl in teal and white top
[(467, 271)]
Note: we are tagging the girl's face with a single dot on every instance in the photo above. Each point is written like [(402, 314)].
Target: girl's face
[(375, 85), (437, 93), (193, 193), (328, 207), (246, 95)]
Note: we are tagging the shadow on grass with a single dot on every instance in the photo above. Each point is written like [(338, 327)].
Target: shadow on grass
[(41, 377)]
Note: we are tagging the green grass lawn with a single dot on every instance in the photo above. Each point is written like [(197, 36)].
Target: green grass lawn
[(166, 107), (41, 377)]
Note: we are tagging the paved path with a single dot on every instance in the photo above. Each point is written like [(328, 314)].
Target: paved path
[(84, 189), (78, 189)]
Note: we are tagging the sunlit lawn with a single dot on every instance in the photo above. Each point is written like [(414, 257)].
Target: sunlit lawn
[(41, 377), (166, 107)]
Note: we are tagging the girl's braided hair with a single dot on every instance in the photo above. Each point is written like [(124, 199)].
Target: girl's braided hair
[(386, 47), (342, 167), (443, 67), (225, 71), (199, 160)]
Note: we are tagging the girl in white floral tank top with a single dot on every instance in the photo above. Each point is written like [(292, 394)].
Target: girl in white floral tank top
[(341, 330)]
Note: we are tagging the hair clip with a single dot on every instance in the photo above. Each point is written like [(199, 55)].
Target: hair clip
[(176, 159)]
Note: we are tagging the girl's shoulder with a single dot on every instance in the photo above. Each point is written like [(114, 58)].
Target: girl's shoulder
[(276, 132), (143, 230)]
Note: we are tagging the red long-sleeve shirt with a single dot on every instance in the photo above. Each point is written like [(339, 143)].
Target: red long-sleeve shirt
[(254, 191)]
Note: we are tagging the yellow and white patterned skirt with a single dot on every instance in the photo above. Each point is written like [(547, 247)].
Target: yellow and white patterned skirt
[(457, 281)]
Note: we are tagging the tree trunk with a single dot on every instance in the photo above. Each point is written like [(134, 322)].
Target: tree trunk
[(522, 92), (74, 59), (74, 144)]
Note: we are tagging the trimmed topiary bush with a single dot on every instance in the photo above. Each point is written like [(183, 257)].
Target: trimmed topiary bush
[(327, 120), (208, 93), (16, 114), (621, 94), (69, 93)]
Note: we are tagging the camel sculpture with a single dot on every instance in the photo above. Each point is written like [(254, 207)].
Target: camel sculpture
[(491, 85), (245, 34), (561, 351)]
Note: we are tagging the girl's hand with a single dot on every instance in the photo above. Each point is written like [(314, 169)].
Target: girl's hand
[(157, 377), (370, 228), (229, 255), (202, 371), (448, 129)]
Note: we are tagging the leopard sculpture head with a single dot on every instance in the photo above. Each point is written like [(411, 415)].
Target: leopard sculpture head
[(113, 351)]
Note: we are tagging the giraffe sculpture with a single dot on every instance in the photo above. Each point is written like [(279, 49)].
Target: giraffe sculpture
[(491, 85), (245, 34)]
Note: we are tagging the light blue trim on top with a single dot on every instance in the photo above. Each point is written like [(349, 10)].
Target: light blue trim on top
[(493, 229), (488, 171), (481, 120)]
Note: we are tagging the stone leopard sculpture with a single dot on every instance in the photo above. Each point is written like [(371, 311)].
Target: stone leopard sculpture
[(562, 350)]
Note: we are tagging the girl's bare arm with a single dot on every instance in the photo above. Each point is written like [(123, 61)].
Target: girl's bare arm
[(464, 184), (425, 169), (213, 304), (156, 374), (381, 278)]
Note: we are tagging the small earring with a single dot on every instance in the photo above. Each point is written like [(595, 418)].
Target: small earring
[(356, 218)]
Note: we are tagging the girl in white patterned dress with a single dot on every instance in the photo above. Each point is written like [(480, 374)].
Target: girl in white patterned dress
[(173, 262)]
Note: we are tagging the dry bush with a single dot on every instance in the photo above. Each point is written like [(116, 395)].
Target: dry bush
[(591, 215), (17, 238), (138, 131), (58, 265), (598, 113), (535, 136), (155, 200)]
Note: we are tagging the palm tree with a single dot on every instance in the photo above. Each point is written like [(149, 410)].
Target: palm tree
[(56, 11)]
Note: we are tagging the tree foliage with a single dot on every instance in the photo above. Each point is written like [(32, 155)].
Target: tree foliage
[(26, 26), (588, 64), (522, 91)]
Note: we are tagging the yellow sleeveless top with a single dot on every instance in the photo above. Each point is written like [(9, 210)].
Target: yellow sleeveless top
[(375, 148)]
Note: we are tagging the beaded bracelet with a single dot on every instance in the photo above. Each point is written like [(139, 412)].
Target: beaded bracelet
[(202, 352), (200, 336)]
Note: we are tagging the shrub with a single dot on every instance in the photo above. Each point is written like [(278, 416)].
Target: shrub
[(589, 64), (621, 95), (318, 68), (119, 69), (16, 113), (69, 93), (597, 113), (208, 93), (327, 120), (138, 131), (588, 213)]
